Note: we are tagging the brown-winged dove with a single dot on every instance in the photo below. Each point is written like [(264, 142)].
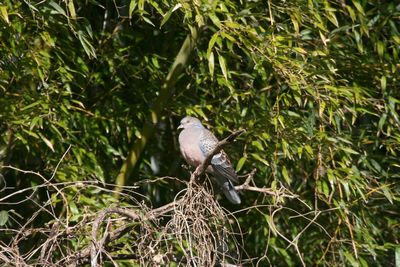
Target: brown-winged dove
[(196, 142)]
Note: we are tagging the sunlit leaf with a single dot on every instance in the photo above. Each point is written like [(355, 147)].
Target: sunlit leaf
[(397, 256), (258, 145), (387, 194), (3, 217), (286, 175), (74, 209), (222, 64), (349, 150), (47, 142), (132, 6), (168, 14), (215, 19), (358, 6), (211, 63), (240, 163), (58, 8), (71, 9), (4, 14), (211, 43), (87, 46)]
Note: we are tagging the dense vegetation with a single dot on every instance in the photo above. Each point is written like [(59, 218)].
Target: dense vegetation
[(91, 93)]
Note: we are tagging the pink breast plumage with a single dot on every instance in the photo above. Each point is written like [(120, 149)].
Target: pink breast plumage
[(189, 148)]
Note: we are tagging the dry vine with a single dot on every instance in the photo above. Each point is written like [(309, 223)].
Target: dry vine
[(193, 230)]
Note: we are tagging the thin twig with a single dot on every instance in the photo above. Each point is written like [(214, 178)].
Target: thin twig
[(247, 187)]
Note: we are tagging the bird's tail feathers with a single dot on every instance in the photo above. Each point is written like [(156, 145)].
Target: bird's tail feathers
[(229, 190)]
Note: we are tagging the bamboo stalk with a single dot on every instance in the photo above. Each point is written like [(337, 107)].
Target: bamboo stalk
[(155, 112)]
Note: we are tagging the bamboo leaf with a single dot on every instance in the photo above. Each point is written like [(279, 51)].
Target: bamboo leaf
[(168, 14), (132, 6), (47, 142), (397, 255), (3, 217), (240, 163), (211, 43), (71, 9), (222, 65), (147, 20), (286, 175), (4, 14), (387, 194), (358, 6), (215, 20), (87, 46), (349, 150), (258, 145), (57, 8), (211, 64)]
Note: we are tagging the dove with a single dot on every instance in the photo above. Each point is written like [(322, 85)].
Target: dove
[(195, 142)]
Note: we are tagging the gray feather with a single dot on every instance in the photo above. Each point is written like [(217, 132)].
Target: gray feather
[(228, 189)]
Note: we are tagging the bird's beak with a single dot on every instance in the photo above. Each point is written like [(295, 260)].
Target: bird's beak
[(180, 127)]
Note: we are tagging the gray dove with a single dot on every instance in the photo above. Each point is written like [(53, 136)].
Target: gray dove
[(195, 143)]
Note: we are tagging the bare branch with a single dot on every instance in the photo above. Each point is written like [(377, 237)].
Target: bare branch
[(247, 187)]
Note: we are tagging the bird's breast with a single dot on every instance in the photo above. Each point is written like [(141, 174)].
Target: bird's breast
[(188, 143)]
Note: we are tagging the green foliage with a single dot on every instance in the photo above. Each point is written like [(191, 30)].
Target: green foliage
[(314, 83)]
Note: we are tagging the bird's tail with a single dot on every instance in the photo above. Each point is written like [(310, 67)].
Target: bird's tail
[(229, 190)]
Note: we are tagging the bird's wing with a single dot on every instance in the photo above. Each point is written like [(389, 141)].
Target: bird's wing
[(207, 141), (220, 162), (221, 166)]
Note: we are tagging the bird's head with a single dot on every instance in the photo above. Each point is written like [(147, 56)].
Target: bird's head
[(189, 122)]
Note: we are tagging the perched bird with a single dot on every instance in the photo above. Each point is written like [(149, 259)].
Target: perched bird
[(195, 143)]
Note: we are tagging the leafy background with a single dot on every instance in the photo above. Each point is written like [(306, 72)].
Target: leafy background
[(314, 83)]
